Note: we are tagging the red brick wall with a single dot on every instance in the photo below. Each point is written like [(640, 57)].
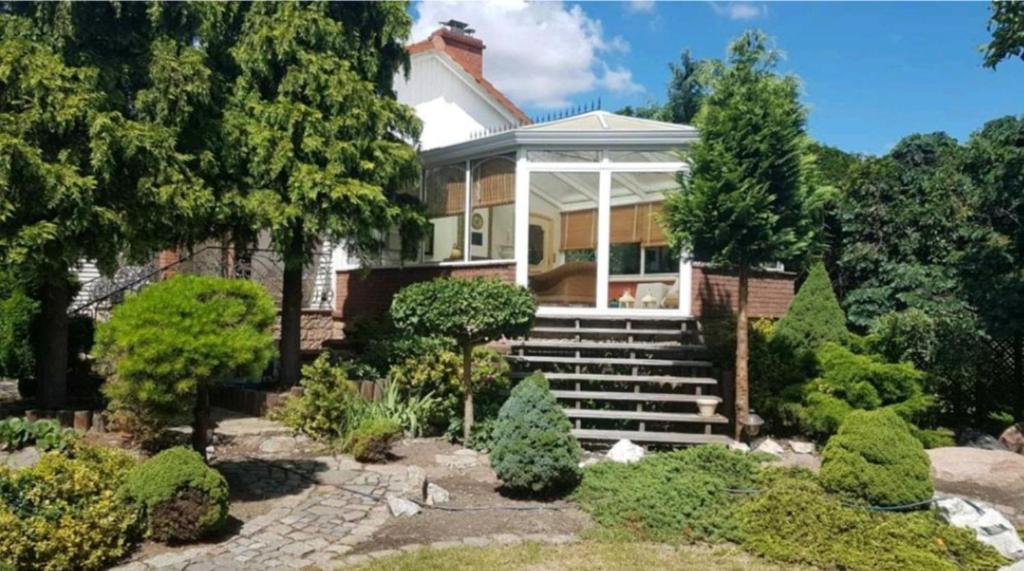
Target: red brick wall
[(715, 293), (359, 294)]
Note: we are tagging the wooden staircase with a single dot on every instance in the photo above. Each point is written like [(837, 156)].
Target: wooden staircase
[(630, 377)]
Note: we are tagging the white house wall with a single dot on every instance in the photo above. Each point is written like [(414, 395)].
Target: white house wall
[(450, 108)]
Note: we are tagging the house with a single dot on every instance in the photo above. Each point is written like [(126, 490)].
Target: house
[(568, 208)]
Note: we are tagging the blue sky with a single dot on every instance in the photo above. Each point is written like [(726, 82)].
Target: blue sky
[(872, 72)]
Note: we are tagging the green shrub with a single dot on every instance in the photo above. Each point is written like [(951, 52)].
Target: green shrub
[(182, 498), (17, 312), (934, 437), (64, 512), (323, 410), (794, 521), (469, 311), (534, 449), (17, 433), (814, 316), (679, 496), (370, 440), (165, 347), (875, 458)]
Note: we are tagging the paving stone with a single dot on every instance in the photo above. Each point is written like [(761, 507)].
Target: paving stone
[(477, 541)]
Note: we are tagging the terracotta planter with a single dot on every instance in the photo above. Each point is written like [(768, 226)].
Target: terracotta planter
[(707, 406)]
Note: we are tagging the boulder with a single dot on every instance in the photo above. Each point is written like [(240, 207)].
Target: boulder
[(416, 485), (436, 494), (741, 446), (769, 446), (989, 526), (456, 460), (24, 458), (971, 438), (1018, 566), (589, 461), (1013, 438), (992, 476), (625, 452), (401, 507), (801, 447)]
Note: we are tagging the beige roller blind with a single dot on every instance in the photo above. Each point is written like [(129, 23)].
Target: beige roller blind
[(627, 223), (579, 230), (446, 191), (494, 183), (654, 235)]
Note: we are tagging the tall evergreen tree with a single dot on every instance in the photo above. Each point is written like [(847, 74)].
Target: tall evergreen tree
[(316, 135), (740, 206), (686, 90)]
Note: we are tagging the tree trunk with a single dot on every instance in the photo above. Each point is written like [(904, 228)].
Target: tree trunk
[(742, 357), (201, 420), (291, 313), (467, 399), (53, 345)]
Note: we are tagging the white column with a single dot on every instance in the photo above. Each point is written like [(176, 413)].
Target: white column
[(522, 220), (604, 225), (467, 250), (686, 285)]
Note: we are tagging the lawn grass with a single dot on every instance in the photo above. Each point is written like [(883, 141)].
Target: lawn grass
[(588, 555)]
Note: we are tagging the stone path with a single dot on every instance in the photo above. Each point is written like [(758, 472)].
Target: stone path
[(312, 524)]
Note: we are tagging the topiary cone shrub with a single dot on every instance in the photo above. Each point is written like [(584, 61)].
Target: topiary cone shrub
[(876, 458), (183, 499), (534, 449), (814, 316)]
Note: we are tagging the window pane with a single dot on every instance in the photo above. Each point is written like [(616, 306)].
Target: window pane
[(660, 260), (563, 238), (648, 156), (445, 196), (563, 156), (624, 259), (492, 223)]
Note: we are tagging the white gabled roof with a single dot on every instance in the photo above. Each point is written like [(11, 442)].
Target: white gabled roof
[(605, 121)]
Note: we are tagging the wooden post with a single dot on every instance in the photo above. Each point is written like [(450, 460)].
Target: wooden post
[(99, 422), (82, 420), (66, 418)]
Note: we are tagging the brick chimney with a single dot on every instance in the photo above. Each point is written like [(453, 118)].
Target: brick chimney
[(459, 43)]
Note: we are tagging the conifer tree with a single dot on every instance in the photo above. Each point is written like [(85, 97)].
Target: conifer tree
[(814, 317)]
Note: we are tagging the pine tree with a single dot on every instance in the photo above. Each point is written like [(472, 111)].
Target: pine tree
[(814, 317)]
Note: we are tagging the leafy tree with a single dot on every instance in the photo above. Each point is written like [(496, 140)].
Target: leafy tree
[(315, 132), (740, 207), (1007, 27), (470, 311), (901, 217), (686, 92), (826, 171), (84, 176), (814, 317), (168, 345)]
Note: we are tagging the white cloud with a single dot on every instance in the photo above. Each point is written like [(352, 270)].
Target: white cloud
[(740, 10), (538, 53), (641, 5)]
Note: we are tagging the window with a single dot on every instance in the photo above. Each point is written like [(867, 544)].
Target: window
[(563, 156), (645, 156), (445, 197), (660, 260), (492, 220), (624, 259)]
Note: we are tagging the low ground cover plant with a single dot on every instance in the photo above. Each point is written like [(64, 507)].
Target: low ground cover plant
[(182, 498), (17, 433), (677, 497), (794, 520), (371, 439), (534, 449), (876, 459), (65, 512)]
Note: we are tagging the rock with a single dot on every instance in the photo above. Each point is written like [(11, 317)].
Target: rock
[(972, 438), (24, 458), (455, 460), (211, 454), (801, 447), (1013, 438), (417, 482), (992, 476), (769, 446), (589, 462), (625, 452), (1018, 566), (278, 444), (989, 526), (466, 452), (436, 494), (737, 445), (401, 507)]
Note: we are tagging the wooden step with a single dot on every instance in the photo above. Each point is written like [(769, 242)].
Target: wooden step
[(609, 361), (607, 331), (666, 379), (629, 396), (642, 436), (643, 415), (569, 344)]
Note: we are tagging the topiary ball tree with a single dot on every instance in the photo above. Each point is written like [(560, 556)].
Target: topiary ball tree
[(183, 498), (814, 316), (534, 449), (164, 348), (471, 311), (876, 458)]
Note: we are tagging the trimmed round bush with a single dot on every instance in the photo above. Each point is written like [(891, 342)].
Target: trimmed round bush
[(534, 449), (183, 498), (876, 458), (370, 440), (679, 496)]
